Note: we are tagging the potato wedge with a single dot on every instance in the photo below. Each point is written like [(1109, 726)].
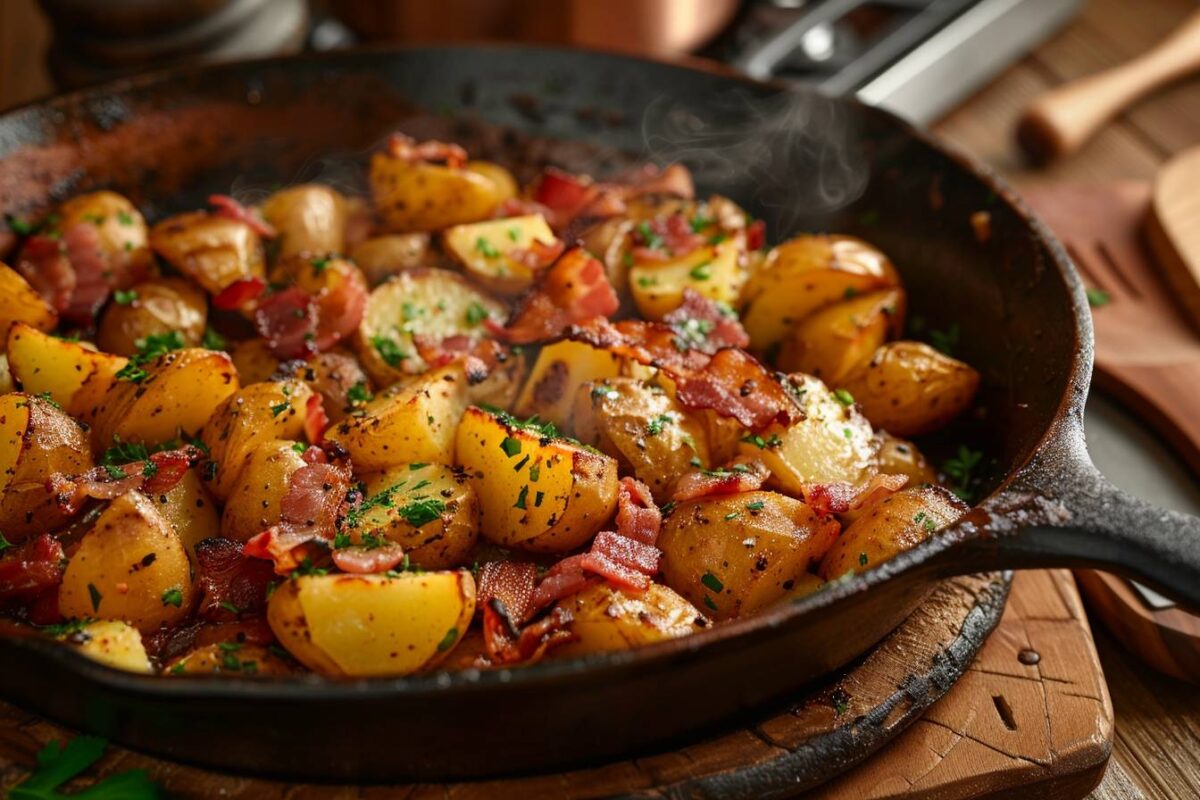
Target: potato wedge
[(406, 423), (37, 440), (113, 643), (833, 342), (357, 626), (190, 511), (381, 257), (260, 412), (233, 659), (158, 306), (484, 248), (807, 273), (891, 526), (901, 457), (561, 368), (20, 302), (309, 218), (253, 504), (605, 618), (832, 442), (435, 303), (734, 554), (433, 514), (908, 388), (644, 428), (176, 393), (42, 363), (713, 271), (212, 250), (130, 566), (416, 196), (536, 491)]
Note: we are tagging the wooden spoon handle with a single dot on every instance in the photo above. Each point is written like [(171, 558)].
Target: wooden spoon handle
[(1062, 119)]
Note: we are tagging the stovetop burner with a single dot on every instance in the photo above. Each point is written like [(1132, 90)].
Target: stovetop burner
[(914, 57)]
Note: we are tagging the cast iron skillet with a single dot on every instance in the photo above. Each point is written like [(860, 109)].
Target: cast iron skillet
[(799, 161)]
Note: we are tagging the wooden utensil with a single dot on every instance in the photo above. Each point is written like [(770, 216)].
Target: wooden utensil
[(1173, 229), (1062, 119), (1148, 358)]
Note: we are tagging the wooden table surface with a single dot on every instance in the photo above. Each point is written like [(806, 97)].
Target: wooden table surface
[(1157, 751)]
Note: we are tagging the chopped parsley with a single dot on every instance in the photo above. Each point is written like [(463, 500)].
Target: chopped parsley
[(862, 559), (1098, 297), (68, 628), (124, 217), (319, 265), (388, 350), (213, 340), (701, 272), (646, 281), (173, 597), (604, 392), (279, 408), (655, 426), (946, 340), (358, 394), (649, 237), (157, 344), (843, 397), (46, 397), (514, 234), (757, 505), (116, 473), (510, 446), (476, 314), (699, 223), (422, 510), (416, 465), (961, 471), (149, 470), (125, 297), (762, 444), (95, 596), (521, 497), (132, 372), (732, 515), (486, 248), (230, 607), (712, 582), (708, 601), (18, 226), (123, 453), (448, 640), (5, 543)]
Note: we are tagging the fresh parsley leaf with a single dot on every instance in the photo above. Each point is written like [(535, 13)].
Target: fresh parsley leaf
[(132, 372), (5, 543), (1098, 297), (213, 340), (56, 765), (358, 394), (701, 272), (123, 453), (46, 396), (18, 226), (448, 640), (422, 510), (476, 314), (388, 350), (486, 248), (124, 217), (712, 582), (945, 340), (843, 397), (125, 297), (173, 597), (279, 408)]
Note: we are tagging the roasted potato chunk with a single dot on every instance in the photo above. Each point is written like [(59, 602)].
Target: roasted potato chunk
[(113, 643), (233, 659), (714, 271), (254, 361), (309, 218), (434, 303), (734, 554), (417, 196), (159, 306), (37, 440), (807, 273), (644, 428), (357, 626), (212, 250), (901, 457), (406, 423), (536, 491), (253, 504), (830, 442), (891, 526), (190, 511), (604, 618), (486, 250), (45, 364), (561, 368), (260, 412), (337, 377), (908, 388), (841, 338), (19, 302), (120, 228), (173, 394), (130, 566), (382, 257), (433, 513)]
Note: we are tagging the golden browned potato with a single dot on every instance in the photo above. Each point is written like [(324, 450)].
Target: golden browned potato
[(190, 511), (733, 554), (828, 442), (417, 196), (154, 307), (604, 617), (112, 642), (212, 250), (714, 271), (20, 302), (561, 368), (608, 241), (260, 412), (536, 491), (644, 428), (338, 378), (841, 338), (319, 274), (309, 218), (254, 361), (428, 509), (382, 257), (506, 184), (44, 364), (891, 526), (37, 440), (503, 382), (173, 394), (121, 230), (6, 379), (357, 626), (406, 423), (485, 250), (908, 388), (253, 503), (231, 658), (901, 457), (807, 273), (435, 303), (130, 566)]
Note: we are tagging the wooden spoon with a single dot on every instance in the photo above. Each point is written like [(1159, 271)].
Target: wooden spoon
[(1062, 119), (1173, 229)]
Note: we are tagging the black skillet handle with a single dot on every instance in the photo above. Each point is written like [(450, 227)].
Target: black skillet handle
[(1071, 516)]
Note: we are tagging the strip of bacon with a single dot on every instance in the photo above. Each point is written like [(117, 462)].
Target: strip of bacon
[(638, 518), (43, 262), (408, 149), (368, 560), (510, 582), (839, 498), (309, 511), (539, 254), (159, 474), (95, 273), (702, 322), (629, 553), (31, 569), (225, 206), (228, 580), (316, 421), (575, 288), (508, 645), (239, 293), (742, 475), (562, 580), (339, 310), (756, 235), (479, 356), (288, 321)]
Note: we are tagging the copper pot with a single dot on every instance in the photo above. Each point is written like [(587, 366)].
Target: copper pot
[(642, 26)]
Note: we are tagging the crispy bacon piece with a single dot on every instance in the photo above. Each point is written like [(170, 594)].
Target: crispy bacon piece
[(562, 191), (167, 644), (229, 580), (95, 273), (479, 356), (368, 560), (756, 235), (43, 262), (239, 293), (638, 518), (838, 498), (565, 199), (510, 582), (31, 569), (742, 475), (288, 321), (156, 475), (575, 288), (629, 553), (539, 254), (339, 310), (225, 206), (309, 512), (169, 467), (43, 609), (673, 235), (408, 149), (316, 421), (562, 580), (508, 645), (704, 324)]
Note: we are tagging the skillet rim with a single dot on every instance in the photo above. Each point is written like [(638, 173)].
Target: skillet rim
[(1064, 429)]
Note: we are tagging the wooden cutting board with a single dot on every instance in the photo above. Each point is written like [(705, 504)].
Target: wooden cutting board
[(1029, 717)]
